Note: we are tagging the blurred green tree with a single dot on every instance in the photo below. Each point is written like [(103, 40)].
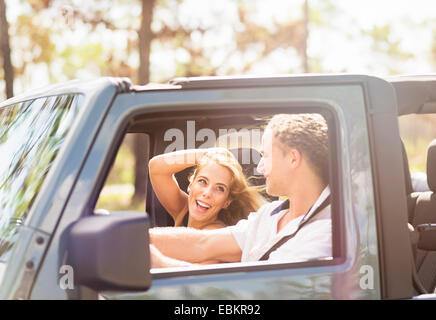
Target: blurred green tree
[(186, 36), (384, 43), (83, 39)]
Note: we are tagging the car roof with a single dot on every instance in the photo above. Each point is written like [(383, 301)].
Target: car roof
[(415, 93), (71, 86), (266, 80)]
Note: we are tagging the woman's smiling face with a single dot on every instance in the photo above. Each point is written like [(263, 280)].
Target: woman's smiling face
[(209, 192)]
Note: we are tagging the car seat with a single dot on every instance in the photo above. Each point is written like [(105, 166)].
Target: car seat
[(425, 212)]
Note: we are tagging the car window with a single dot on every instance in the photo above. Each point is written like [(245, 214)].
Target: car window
[(417, 131), (242, 138), (31, 135), (125, 185)]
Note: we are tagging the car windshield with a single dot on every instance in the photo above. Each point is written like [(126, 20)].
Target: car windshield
[(31, 135)]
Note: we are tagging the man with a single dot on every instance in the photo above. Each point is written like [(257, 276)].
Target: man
[(295, 164)]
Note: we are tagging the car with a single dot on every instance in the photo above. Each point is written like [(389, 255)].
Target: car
[(59, 143)]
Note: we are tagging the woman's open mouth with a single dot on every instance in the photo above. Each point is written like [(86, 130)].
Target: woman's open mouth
[(202, 206)]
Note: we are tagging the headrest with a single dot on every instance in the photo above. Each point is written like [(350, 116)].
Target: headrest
[(409, 188), (431, 166), (248, 158)]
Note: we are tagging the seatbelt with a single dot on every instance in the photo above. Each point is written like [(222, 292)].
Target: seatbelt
[(283, 240)]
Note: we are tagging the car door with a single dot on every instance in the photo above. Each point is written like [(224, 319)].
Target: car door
[(353, 269)]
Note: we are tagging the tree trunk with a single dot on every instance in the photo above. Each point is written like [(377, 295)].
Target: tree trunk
[(6, 51), (306, 35), (145, 38), (139, 144)]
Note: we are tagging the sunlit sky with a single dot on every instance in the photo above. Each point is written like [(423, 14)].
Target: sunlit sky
[(337, 46), (407, 19)]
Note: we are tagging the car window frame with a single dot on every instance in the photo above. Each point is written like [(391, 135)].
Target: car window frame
[(335, 170)]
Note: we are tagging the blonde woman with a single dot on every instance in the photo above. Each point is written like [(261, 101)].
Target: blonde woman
[(218, 193)]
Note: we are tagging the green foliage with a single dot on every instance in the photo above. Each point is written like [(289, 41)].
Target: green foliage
[(118, 190), (78, 57), (41, 32), (122, 170), (36, 45), (101, 38), (384, 42), (321, 12)]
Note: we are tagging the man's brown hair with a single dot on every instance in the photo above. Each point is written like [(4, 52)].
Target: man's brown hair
[(308, 134)]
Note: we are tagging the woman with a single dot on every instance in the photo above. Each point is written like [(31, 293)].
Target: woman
[(218, 194)]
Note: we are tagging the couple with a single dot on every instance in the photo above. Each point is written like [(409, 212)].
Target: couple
[(295, 164)]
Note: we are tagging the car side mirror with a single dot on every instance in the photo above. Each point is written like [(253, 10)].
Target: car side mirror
[(427, 236), (111, 252)]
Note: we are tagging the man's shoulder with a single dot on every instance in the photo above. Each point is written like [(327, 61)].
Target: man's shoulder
[(270, 206), (259, 217)]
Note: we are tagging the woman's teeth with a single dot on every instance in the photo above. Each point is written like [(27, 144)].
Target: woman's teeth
[(203, 205)]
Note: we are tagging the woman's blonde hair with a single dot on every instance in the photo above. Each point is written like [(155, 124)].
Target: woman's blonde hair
[(245, 198)]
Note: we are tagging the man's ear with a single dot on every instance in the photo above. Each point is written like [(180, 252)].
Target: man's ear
[(294, 157)]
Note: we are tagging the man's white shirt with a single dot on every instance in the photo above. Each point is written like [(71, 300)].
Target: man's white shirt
[(257, 234)]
